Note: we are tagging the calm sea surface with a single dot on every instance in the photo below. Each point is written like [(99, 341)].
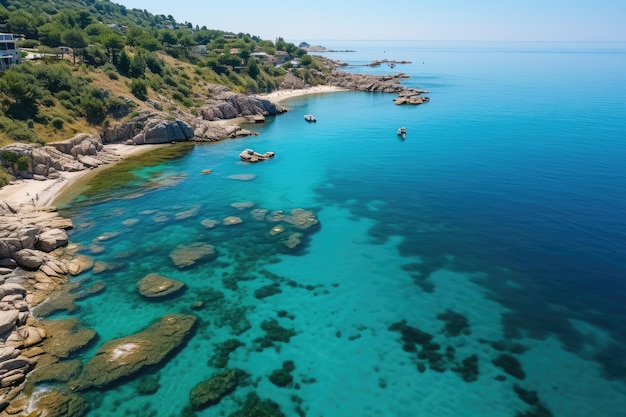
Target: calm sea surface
[(476, 268)]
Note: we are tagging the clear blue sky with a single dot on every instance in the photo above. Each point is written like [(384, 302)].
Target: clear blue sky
[(296, 21)]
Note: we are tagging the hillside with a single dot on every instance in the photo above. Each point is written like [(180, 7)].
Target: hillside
[(119, 60)]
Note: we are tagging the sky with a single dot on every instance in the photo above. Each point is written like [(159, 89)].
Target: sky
[(506, 20)]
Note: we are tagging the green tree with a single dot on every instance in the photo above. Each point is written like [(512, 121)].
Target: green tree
[(20, 21), (186, 41), (4, 14), (133, 35), (21, 87), (167, 37), (50, 34), (137, 66), (75, 39), (84, 18), (93, 108), (306, 60), (123, 65), (149, 42), (114, 43), (139, 88), (281, 45), (253, 68)]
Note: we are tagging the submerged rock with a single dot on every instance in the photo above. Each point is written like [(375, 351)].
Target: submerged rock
[(65, 336), (125, 356), (211, 391), (187, 255), (156, 285), (51, 404)]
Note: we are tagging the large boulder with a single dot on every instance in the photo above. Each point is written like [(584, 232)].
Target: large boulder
[(125, 356), (30, 259), (51, 239), (8, 320), (163, 131)]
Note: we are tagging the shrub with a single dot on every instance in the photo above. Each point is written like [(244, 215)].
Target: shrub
[(93, 109), (112, 75), (29, 43), (47, 101), (139, 88), (23, 163), (170, 81), (154, 63), (5, 177), (64, 95), (184, 90), (57, 123), (10, 156), (20, 132)]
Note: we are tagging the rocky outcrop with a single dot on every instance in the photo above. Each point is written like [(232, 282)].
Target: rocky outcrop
[(371, 83), (216, 131), (27, 234), (123, 357), (291, 82), (82, 152), (228, 105), (249, 155), (149, 128)]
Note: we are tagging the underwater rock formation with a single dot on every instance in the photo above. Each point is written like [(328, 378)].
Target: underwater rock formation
[(211, 391), (187, 255), (157, 285), (125, 356)]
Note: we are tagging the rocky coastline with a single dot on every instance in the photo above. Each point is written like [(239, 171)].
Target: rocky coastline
[(37, 259)]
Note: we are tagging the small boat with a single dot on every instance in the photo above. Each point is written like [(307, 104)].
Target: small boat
[(402, 132), (310, 118)]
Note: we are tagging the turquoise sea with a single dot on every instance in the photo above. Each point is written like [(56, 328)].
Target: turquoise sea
[(476, 268)]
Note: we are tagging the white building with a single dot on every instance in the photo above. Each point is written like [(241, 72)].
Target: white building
[(9, 52)]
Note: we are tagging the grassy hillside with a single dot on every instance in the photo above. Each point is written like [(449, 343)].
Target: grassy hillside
[(129, 53)]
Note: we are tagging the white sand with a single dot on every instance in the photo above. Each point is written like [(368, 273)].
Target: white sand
[(42, 193), (278, 96)]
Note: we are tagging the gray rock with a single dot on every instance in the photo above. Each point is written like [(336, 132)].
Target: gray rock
[(8, 320), (29, 259), (7, 353), (17, 363), (12, 289)]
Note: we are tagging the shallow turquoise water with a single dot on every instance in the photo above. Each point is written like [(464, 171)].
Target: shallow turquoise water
[(504, 204)]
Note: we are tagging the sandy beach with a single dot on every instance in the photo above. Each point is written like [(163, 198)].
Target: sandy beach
[(43, 193), (279, 96)]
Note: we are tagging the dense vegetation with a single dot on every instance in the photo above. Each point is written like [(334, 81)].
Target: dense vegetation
[(119, 52)]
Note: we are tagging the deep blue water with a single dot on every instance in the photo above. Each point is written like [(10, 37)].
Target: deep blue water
[(505, 204)]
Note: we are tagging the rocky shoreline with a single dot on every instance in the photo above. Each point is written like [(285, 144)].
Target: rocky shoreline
[(36, 257)]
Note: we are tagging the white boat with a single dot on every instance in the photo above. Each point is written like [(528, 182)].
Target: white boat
[(310, 118), (402, 132)]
